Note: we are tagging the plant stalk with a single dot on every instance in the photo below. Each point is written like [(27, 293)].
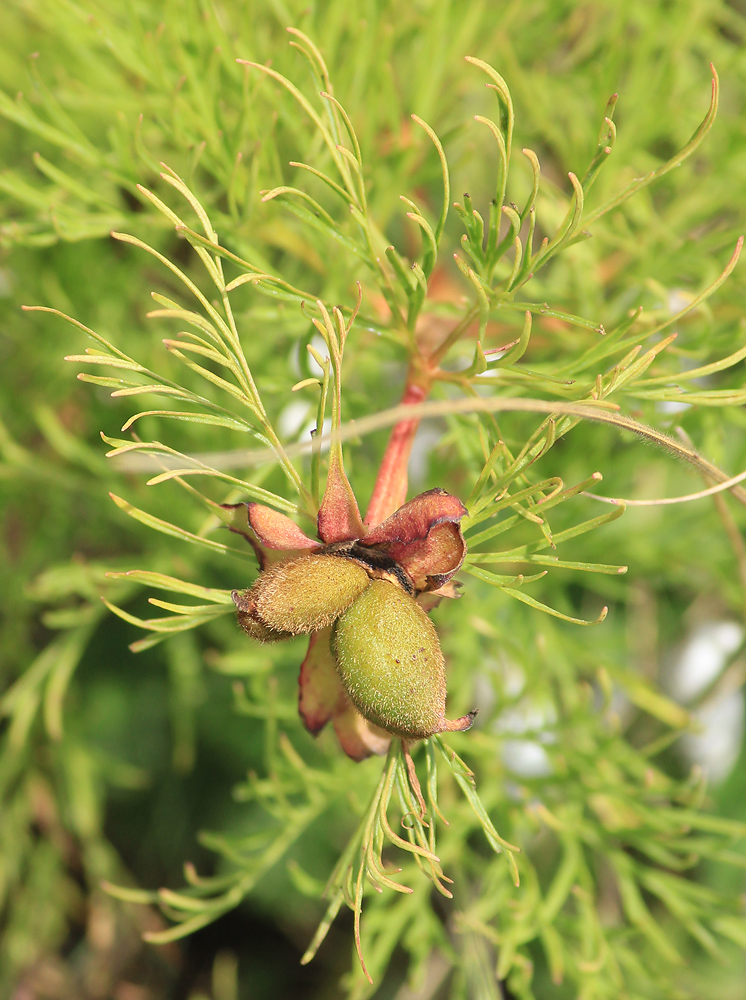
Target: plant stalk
[(390, 490)]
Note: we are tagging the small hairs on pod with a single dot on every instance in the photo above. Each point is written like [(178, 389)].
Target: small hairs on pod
[(391, 664), (250, 622), (299, 596)]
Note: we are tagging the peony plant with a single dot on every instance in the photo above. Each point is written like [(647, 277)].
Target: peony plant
[(374, 661), (363, 588)]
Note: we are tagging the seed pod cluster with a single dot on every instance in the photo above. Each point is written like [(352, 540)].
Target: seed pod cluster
[(386, 648)]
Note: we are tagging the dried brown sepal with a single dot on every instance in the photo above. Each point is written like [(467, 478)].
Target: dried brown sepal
[(430, 599)]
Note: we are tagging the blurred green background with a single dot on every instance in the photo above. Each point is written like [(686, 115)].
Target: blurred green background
[(148, 749)]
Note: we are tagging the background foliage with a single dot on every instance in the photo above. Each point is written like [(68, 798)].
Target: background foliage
[(111, 763)]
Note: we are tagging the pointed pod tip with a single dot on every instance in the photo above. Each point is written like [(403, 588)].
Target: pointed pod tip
[(460, 725)]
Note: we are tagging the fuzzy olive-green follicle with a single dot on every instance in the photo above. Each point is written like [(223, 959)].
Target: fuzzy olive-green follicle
[(308, 593), (391, 664)]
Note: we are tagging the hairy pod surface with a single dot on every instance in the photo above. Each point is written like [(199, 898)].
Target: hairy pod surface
[(391, 664), (305, 594), (249, 620)]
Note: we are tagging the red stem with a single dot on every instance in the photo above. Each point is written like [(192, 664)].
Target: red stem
[(390, 490)]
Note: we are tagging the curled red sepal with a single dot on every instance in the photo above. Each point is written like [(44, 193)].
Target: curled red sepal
[(272, 535), (322, 698), (424, 537)]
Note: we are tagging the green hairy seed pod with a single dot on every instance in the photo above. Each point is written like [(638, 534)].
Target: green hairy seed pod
[(305, 594), (391, 664)]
